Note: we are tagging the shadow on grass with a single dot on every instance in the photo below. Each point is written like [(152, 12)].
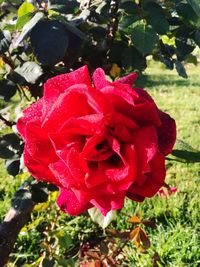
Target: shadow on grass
[(163, 80), (186, 156)]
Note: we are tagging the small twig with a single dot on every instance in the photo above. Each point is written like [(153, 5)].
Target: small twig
[(113, 25), (8, 61), (22, 92), (11, 4), (7, 123)]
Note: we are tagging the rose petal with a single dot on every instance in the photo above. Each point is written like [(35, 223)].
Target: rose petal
[(68, 202), (146, 113), (58, 84), (39, 170), (154, 179), (69, 104), (32, 113), (144, 94), (146, 145), (64, 176), (129, 79), (107, 203), (38, 144), (166, 133), (99, 79)]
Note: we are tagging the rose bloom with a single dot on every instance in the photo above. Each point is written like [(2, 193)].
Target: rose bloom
[(97, 141)]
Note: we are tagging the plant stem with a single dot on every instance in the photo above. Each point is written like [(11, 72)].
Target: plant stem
[(9, 230), (113, 25), (8, 61), (7, 123)]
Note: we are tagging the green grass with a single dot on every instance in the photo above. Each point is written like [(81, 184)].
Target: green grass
[(177, 235)]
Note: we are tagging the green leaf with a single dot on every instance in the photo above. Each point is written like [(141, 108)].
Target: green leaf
[(195, 5), (21, 21), (180, 69), (49, 40), (65, 241), (186, 152), (183, 48), (167, 61), (39, 192), (188, 156), (30, 71), (101, 220), (7, 89), (192, 59), (10, 140), (126, 21), (28, 27), (132, 59), (156, 17), (144, 38), (5, 41), (63, 6), (71, 28), (22, 200), (129, 7), (5, 153), (25, 8), (186, 12), (197, 37), (12, 166)]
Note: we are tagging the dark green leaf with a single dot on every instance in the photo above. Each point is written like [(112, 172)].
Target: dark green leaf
[(156, 17), (168, 62), (52, 187), (49, 40), (98, 32), (195, 5), (186, 12), (39, 192), (48, 263), (63, 6), (12, 166), (188, 156), (197, 37), (126, 21), (144, 38), (30, 71), (183, 48), (17, 78), (180, 69), (7, 89), (10, 140), (28, 27), (5, 41), (132, 59), (22, 200), (71, 28), (65, 241), (5, 153), (114, 55), (129, 7), (192, 59)]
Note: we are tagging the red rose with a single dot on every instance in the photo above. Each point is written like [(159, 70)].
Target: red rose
[(98, 142)]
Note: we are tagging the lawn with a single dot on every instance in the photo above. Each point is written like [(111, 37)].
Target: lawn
[(177, 236)]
